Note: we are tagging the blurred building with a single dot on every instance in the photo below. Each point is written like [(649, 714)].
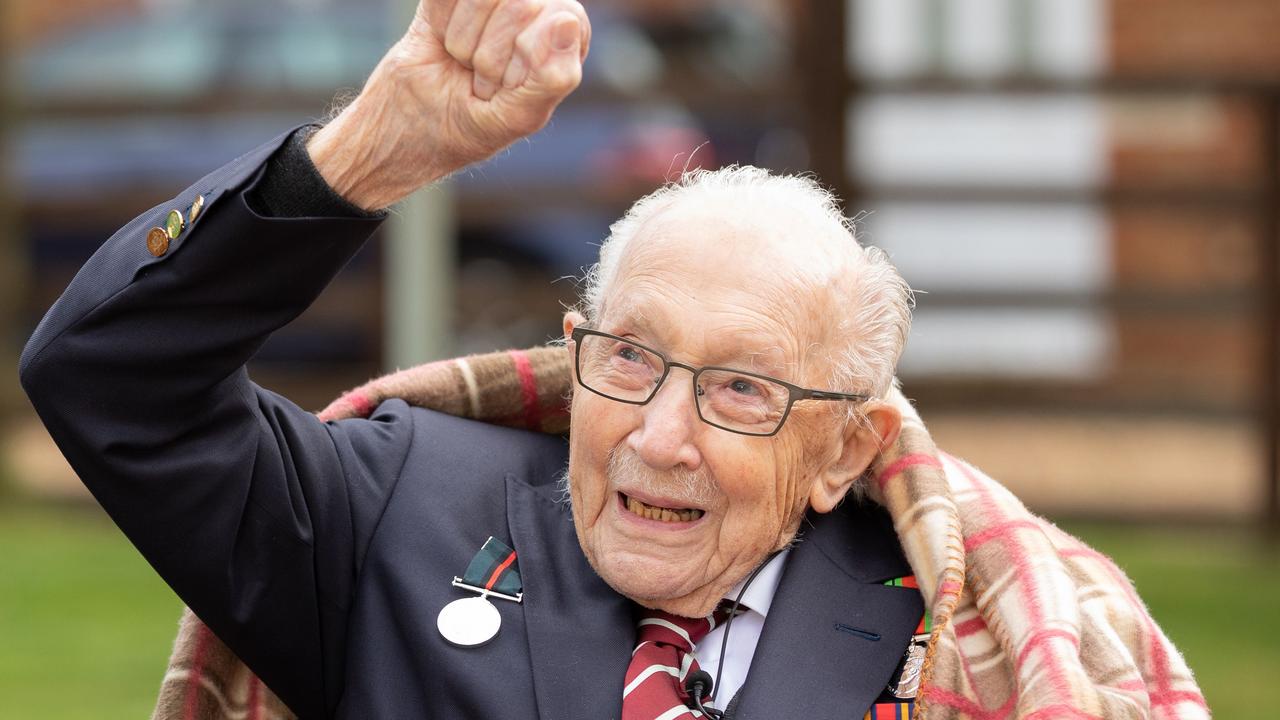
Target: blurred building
[(1083, 191), (124, 104)]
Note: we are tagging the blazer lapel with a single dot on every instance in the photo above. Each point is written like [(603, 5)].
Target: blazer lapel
[(580, 631), (835, 633)]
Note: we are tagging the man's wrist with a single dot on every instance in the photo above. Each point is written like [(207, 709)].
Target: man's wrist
[(291, 187), (359, 153)]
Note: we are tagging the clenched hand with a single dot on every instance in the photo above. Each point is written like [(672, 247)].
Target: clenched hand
[(468, 78)]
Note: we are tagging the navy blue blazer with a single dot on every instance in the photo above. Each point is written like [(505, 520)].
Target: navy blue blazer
[(322, 553)]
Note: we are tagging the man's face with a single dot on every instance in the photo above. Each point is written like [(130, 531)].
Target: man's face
[(703, 293)]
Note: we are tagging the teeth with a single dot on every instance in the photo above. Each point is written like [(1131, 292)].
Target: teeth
[(662, 514)]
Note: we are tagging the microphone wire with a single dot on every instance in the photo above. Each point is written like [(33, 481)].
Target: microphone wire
[(733, 612)]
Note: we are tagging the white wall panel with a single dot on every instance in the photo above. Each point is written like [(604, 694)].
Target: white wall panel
[(1069, 37), (1012, 343), (994, 247), (887, 38), (980, 38), (1036, 141)]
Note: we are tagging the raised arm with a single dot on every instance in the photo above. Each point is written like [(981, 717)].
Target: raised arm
[(255, 512), (469, 78)]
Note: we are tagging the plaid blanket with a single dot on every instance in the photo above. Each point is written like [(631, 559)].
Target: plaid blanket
[(1028, 622)]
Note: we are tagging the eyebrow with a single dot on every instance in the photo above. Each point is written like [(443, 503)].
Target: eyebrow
[(757, 361), (630, 318), (760, 361)]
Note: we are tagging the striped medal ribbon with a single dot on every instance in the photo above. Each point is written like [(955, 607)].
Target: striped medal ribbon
[(905, 684), (473, 621)]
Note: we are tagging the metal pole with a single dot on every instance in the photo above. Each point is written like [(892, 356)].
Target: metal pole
[(418, 266), (418, 270)]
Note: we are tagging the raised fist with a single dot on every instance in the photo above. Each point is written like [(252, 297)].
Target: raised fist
[(468, 78)]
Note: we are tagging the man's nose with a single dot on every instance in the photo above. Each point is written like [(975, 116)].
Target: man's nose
[(668, 425)]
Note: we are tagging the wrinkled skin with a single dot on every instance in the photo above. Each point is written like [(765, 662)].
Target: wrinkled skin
[(468, 78), (710, 292)]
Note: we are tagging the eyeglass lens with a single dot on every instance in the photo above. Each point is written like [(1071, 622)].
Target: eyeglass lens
[(630, 373)]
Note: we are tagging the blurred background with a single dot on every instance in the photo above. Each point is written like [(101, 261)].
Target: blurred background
[(1085, 193)]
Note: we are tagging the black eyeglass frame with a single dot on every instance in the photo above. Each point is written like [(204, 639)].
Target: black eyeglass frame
[(795, 391)]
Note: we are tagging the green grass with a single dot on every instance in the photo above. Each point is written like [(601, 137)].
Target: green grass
[(85, 624), (1216, 593), (86, 627)]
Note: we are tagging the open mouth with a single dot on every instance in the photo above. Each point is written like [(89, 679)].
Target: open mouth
[(655, 512)]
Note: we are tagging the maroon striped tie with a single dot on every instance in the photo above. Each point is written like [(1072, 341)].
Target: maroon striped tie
[(663, 658)]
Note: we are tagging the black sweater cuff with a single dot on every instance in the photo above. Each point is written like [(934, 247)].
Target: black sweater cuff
[(292, 187)]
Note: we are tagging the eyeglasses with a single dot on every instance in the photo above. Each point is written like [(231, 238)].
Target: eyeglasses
[(730, 399)]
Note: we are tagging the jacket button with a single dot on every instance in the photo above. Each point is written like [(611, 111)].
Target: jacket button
[(174, 224), (196, 206), (157, 241)]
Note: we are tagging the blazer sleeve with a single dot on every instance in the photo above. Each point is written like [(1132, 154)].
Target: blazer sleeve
[(255, 512)]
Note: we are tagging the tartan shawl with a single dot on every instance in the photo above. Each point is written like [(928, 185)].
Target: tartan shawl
[(1028, 622)]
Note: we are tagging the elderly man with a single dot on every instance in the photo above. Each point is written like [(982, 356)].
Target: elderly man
[(734, 359)]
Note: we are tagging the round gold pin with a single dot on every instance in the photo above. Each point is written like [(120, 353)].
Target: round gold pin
[(157, 241), (196, 206), (174, 223)]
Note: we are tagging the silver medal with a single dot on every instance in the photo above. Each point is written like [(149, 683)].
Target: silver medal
[(908, 683), (469, 622), (473, 621)]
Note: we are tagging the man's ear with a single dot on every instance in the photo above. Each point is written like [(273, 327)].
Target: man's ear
[(862, 441), (572, 319)]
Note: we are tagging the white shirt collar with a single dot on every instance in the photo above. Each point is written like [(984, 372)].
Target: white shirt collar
[(759, 595)]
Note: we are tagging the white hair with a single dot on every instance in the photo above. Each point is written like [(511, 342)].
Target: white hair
[(873, 329)]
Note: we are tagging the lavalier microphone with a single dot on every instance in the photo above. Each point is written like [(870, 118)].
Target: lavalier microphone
[(699, 685)]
